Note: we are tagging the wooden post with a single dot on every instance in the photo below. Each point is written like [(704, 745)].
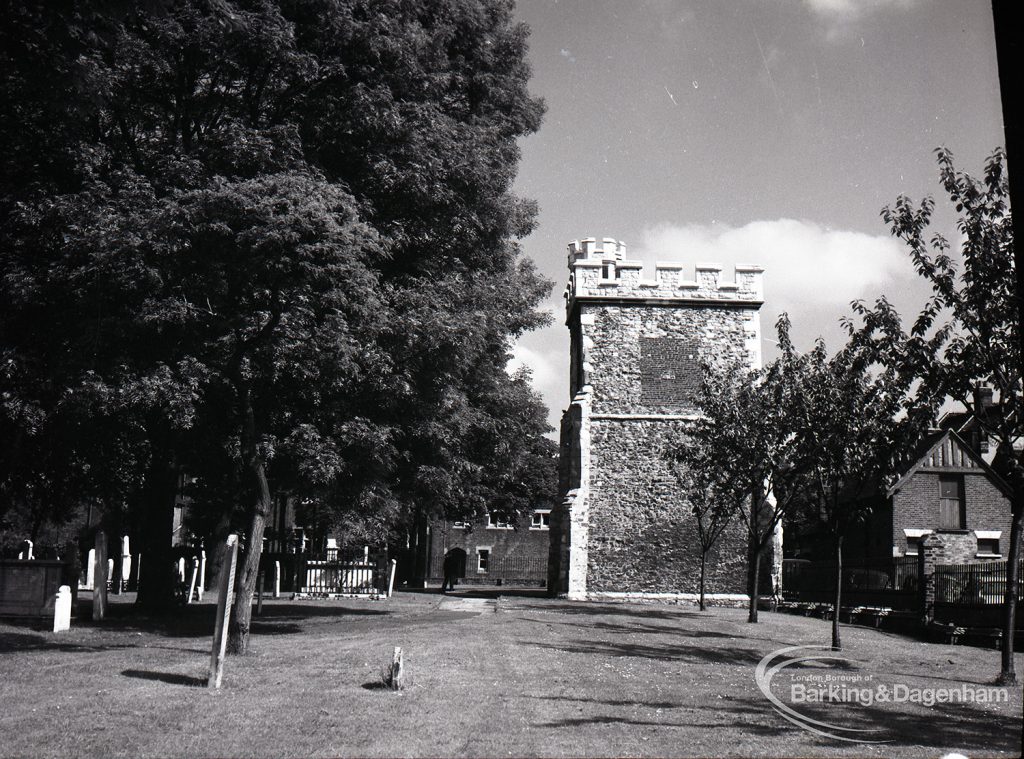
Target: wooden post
[(99, 591), (192, 582), (396, 676), (277, 579), (391, 579), (224, 600)]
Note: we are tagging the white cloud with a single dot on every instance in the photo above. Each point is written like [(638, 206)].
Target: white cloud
[(849, 8), (811, 272)]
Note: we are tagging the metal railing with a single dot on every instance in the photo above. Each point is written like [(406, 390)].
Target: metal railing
[(981, 584)]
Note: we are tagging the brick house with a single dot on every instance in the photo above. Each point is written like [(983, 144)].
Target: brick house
[(622, 528), (947, 490), (491, 551)]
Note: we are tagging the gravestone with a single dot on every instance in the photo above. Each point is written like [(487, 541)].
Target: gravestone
[(220, 632), (99, 592), (202, 573), (277, 579), (126, 562), (90, 570), (62, 610)]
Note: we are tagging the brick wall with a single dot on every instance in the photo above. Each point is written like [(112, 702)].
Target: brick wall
[(519, 547), (916, 507)]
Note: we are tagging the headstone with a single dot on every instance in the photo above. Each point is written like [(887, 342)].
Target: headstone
[(181, 569), (27, 551), (126, 562), (220, 633), (110, 571), (99, 592), (202, 573), (192, 583), (90, 570), (277, 579), (62, 609)]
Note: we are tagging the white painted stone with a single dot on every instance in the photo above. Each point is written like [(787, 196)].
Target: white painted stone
[(62, 609)]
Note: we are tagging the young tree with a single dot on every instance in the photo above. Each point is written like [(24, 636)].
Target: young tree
[(856, 420), (742, 449), (972, 321), (710, 509)]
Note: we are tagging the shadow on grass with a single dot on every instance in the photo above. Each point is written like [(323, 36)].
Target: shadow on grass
[(965, 727), (171, 678), (197, 620), (14, 642), (613, 702), (590, 608), (666, 652)]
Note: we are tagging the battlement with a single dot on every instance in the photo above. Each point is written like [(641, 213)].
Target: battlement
[(599, 269)]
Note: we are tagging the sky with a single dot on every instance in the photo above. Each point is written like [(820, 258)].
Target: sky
[(770, 132)]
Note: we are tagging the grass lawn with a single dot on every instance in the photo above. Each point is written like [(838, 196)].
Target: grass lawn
[(516, 675)]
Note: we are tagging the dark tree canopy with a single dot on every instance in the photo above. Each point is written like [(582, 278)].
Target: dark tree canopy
[(273, 244)]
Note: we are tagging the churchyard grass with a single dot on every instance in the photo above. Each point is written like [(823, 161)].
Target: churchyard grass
[(519, 675)]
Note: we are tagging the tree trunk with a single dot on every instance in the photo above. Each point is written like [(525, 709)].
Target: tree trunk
[(241, 616), (755, 585), (837, 644), (703, 564), (1007, 674), (156, 519)]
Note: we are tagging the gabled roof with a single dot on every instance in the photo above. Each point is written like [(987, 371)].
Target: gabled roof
[(946, 451)]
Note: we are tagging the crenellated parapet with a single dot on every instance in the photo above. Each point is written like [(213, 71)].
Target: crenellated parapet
[(599, 269)]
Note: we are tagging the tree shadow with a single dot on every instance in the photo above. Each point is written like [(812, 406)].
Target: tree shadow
[(965, 727), (665, 652), (591, 608), (614, 702), (11, 643), (171, 678)]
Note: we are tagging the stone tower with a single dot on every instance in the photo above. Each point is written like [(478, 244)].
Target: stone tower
[(622, 529)]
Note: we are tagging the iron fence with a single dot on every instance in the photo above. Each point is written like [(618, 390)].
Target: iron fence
[(892, 584), (976, 585)]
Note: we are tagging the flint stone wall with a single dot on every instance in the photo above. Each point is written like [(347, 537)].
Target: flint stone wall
[(642, 535)]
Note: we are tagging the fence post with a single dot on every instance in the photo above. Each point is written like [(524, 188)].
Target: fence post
[(926, 560)]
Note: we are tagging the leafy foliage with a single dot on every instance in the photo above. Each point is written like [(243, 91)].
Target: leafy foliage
[(271, 244)]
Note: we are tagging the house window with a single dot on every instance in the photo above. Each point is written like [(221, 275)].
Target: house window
[(493, 523), (912, 546), (483, 559), (541, 520), (952, 508), (988, 543)]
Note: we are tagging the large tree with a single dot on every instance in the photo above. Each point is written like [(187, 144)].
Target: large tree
[(283, 231), (969, 330)]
